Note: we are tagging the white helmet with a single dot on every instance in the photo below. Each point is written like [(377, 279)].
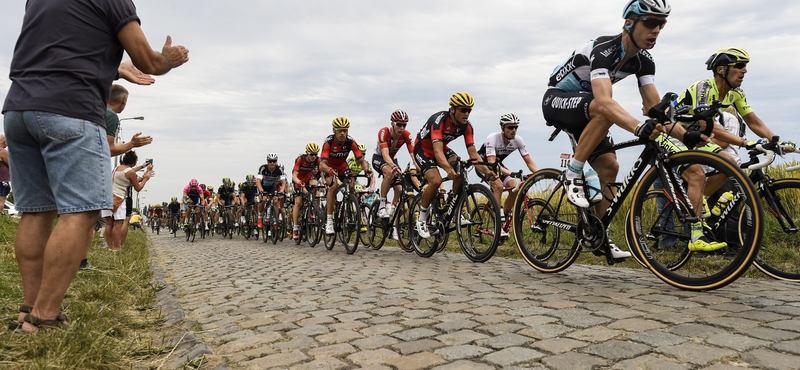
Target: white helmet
[(646, 7), (272, 157), (509, 119)]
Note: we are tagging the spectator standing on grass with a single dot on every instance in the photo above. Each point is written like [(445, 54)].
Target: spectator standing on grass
[(65, 59), (5, 175), (123, 179)]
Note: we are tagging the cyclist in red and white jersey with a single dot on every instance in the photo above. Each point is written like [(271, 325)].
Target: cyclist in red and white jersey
[(431, 150), (334, 162), (303, 178), (390, 140)]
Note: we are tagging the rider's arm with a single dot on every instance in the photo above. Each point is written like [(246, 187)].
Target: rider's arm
[(611, 110), (757, 126), (531, 164)]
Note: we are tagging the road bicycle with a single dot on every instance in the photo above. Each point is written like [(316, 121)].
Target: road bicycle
[(311, 217), (248, 223), (550, 232), (226, 221), (172, 223), (346, 217), (379, 229), (463, 210), (193, 223), (273, 221)]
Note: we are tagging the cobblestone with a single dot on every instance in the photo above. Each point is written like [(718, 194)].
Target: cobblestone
[(262, 306)]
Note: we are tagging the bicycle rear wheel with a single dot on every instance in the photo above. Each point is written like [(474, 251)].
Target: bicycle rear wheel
[(376, 228), (313, 221), (426, 247), (700, 270), (779, 256), (478, 224), (401, 225), (545, 223)]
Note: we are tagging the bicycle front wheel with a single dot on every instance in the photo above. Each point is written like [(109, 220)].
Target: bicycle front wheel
[(350, 224), (779, 256), (545, 223), (401, 224), (741, 231), (478, 224), (376, 227)]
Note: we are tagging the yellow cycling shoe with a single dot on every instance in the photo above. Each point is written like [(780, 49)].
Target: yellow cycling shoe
[(703, 245)]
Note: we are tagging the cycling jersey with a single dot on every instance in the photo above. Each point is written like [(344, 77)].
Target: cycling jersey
[(269, 179), (495, 147), (385, 141), (248, 189), (354, 165), (600, 58), (703, 93), (174, 207), (193, 192), (304, 168), (225, 192), (335, 153), (439, 127)]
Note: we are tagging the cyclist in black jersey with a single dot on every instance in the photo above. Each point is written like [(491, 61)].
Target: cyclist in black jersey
[(270, 181)]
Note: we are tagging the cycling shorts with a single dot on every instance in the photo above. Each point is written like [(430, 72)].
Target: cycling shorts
[(426, 163), (573, 116)]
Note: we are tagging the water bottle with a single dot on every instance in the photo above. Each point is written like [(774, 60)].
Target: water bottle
[(722, 203), (593, 185)]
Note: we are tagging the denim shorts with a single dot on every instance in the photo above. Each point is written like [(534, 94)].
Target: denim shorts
[(60, 163)]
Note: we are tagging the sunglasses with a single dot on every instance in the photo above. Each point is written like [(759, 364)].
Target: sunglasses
[(400, 124), (652, 22), (272, 161), (465, 110), (739, 65), (512, 128), (311, 154)]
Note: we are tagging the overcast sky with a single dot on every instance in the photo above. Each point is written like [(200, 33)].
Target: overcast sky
[(270, 76)]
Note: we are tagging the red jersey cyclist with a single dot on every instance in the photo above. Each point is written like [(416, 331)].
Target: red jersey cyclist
[(334, 162), (303, 179), (390, 140), (192, 196), (431, 151)]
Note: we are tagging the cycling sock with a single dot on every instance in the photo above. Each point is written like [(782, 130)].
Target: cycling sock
[(697, 231), (423, 214), (383, 202), (330, 219), (575, 168)]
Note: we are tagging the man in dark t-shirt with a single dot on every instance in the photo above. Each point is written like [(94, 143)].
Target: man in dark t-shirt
[(65, 59)]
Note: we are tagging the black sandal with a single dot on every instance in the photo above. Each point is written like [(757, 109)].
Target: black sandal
[(14, 325), (60, 322)]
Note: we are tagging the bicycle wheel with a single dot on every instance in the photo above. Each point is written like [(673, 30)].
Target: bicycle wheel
[(425, 247), (701, 270), (328, 239), (401, 224), (350, 224), (779, 256), (313, 221), (275, 228), (545, 223), (667, 233), (376, 228), (478, 223), (365, 215)]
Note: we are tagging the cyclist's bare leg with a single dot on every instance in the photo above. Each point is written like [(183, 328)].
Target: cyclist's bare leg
[(510, 198), (696, 178), (434, 182), (607, 168), (333, 187)]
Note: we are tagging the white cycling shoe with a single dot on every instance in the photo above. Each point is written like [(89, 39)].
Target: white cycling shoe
[(422, 229)]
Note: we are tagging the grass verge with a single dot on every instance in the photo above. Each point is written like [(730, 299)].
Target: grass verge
[(112, 309)]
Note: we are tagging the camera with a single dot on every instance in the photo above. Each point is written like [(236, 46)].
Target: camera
[(148, 161)]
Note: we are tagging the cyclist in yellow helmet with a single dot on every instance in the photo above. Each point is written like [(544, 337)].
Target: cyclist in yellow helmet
[(302, 178), (431, 150), (333, 162)]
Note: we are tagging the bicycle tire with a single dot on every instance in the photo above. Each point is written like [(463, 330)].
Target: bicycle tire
[(275, 228), (402, 226), (329, 239), (376, 229), (480, 237), (709, 270), (365, 215), (545, 223), (666, 230), (350, 229), (778, 256), (424, 247), (313, 222)]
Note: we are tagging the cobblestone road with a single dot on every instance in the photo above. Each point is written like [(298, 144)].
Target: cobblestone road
[(261, 306)]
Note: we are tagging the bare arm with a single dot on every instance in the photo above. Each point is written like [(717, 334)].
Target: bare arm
[(758, 126), (144, 57), (4, 156), (610, 109)]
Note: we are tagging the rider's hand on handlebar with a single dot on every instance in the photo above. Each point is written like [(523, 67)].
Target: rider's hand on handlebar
[(332, 173), (452, 174), (648, 130), (693, 139)]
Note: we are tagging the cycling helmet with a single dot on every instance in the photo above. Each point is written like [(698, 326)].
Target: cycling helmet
[(250, 178), (461, 99), (203, 186), (646, 7), (509, 119), (163, 204), (727, 57), (340, 123), (312, 148), (193, 182), (226, 181), (362, 148), (272, 157), (399, 116), (210, 188), (174, 199)]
